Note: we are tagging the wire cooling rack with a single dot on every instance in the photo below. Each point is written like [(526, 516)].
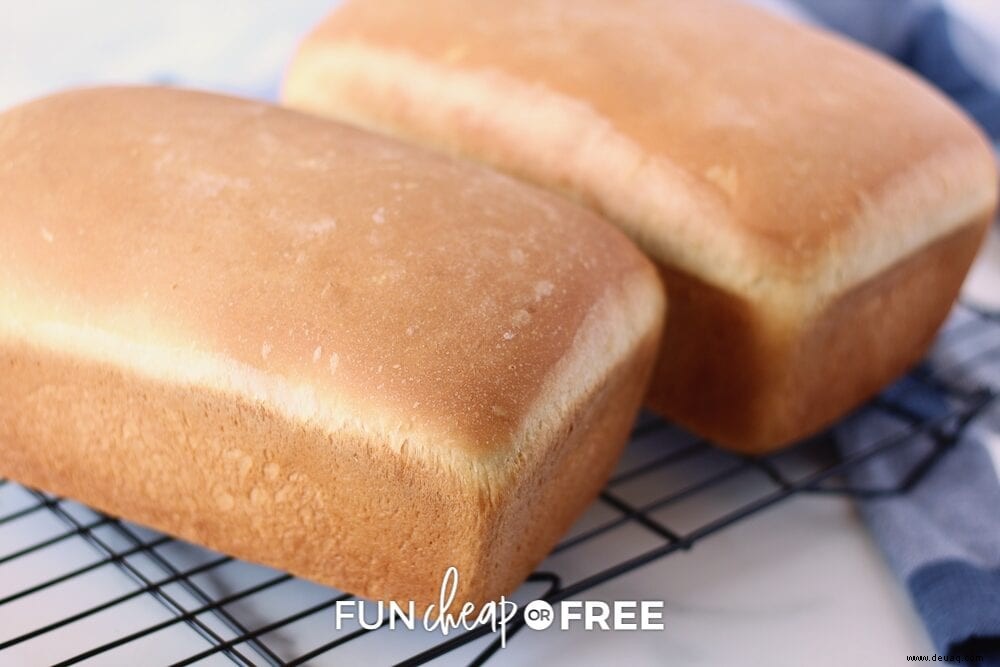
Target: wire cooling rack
[(79, 586)]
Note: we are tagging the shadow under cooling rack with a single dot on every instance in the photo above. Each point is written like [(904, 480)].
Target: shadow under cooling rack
[(78, 585)]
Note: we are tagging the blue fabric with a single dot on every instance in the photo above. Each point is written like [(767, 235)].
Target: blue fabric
[(942, 538), (951, 595), (930, 51)]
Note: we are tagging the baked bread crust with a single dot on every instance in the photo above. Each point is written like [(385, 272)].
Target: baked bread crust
[(778, 166), (308, 346)]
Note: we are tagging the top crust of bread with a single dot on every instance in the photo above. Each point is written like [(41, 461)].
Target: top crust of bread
[(346, 280), (769, 159)]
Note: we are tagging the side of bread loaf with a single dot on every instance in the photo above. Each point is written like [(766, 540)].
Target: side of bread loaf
[(307, 346), (781, 177)]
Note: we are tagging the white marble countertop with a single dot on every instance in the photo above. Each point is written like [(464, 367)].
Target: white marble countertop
[(801, 583)]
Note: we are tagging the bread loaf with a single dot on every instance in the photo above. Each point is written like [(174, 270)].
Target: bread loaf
[(812, 207), (307, 346)]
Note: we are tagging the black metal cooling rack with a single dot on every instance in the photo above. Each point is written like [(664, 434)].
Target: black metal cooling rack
[(79, 586)]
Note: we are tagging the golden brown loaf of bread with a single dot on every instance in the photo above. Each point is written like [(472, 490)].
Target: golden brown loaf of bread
[(812, 207), (308, 346)]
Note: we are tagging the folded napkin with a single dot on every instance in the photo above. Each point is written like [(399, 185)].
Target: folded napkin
[(941, 536)]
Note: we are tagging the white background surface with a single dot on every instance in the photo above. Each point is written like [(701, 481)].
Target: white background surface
[(799, 584)]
